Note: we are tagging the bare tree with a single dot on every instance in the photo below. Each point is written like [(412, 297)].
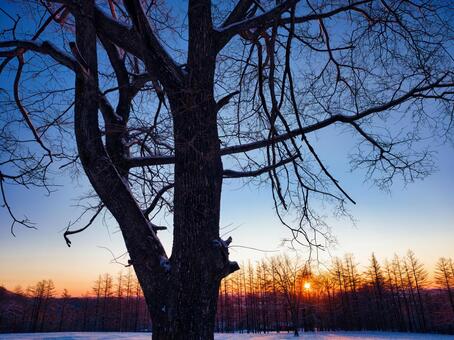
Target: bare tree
[(288, 274), (399, 273), (392, 285), (376, 280), (107, 293), (49, 293), (353, 281), (129, 298), (444, 277), (65, 296), (37, 293), (120, 290), (163, 106), (97, 290), (85, 303), (420, 277)]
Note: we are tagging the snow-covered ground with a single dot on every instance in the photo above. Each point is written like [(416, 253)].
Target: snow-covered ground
[(304, 336)]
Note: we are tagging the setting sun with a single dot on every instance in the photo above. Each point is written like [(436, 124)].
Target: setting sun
[(307, 285)]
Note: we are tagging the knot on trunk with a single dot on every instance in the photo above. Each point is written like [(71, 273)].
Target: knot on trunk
[(223, 244), (164, 263), (223, 264)]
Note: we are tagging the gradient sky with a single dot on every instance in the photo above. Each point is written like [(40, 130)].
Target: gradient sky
[(419, 216)]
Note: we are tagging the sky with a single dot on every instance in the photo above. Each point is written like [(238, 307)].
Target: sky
[(419, 216)]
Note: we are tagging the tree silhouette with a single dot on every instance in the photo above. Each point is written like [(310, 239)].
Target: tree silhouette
[(165, 108), (65, 298), (280, 294), (444, 277)]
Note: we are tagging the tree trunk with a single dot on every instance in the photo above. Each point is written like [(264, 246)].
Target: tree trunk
[(181, 292), (199, 258)]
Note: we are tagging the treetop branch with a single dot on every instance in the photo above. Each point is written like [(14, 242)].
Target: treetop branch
[(274, 16), (156, 59), (44, 47)]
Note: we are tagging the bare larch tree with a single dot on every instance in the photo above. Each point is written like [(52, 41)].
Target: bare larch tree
[(172, 98)]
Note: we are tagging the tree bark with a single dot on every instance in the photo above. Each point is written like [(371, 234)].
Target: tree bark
[(199, 257), (181, 292)]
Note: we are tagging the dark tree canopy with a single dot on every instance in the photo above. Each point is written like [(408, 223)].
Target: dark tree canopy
[(171, 98)]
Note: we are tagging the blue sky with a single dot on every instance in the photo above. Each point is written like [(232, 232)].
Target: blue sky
[(419, 216)]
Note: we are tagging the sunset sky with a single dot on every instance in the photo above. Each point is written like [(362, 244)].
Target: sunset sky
[(419, 216)]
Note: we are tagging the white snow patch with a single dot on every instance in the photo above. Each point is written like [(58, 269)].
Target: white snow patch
[(244, 336)]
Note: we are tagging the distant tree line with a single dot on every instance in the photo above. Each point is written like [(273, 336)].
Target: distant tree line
[(284, 294), (114, 304), (280, 293)]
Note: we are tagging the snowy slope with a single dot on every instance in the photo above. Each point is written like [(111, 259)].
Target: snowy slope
[(308, 336)]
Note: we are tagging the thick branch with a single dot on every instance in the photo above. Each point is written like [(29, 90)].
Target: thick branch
[(23, 110), (239, 174), (263, 19), (225, 100), (44, 47), (273, 16), (157, 60), (413, 93), (105, 178), (90, 222), (156, 199), (238, 13), (120, 34), (135, 162), (231, 28), (124, 87)]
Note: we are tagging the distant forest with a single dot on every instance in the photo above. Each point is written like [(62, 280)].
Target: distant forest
[(276, 294)]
